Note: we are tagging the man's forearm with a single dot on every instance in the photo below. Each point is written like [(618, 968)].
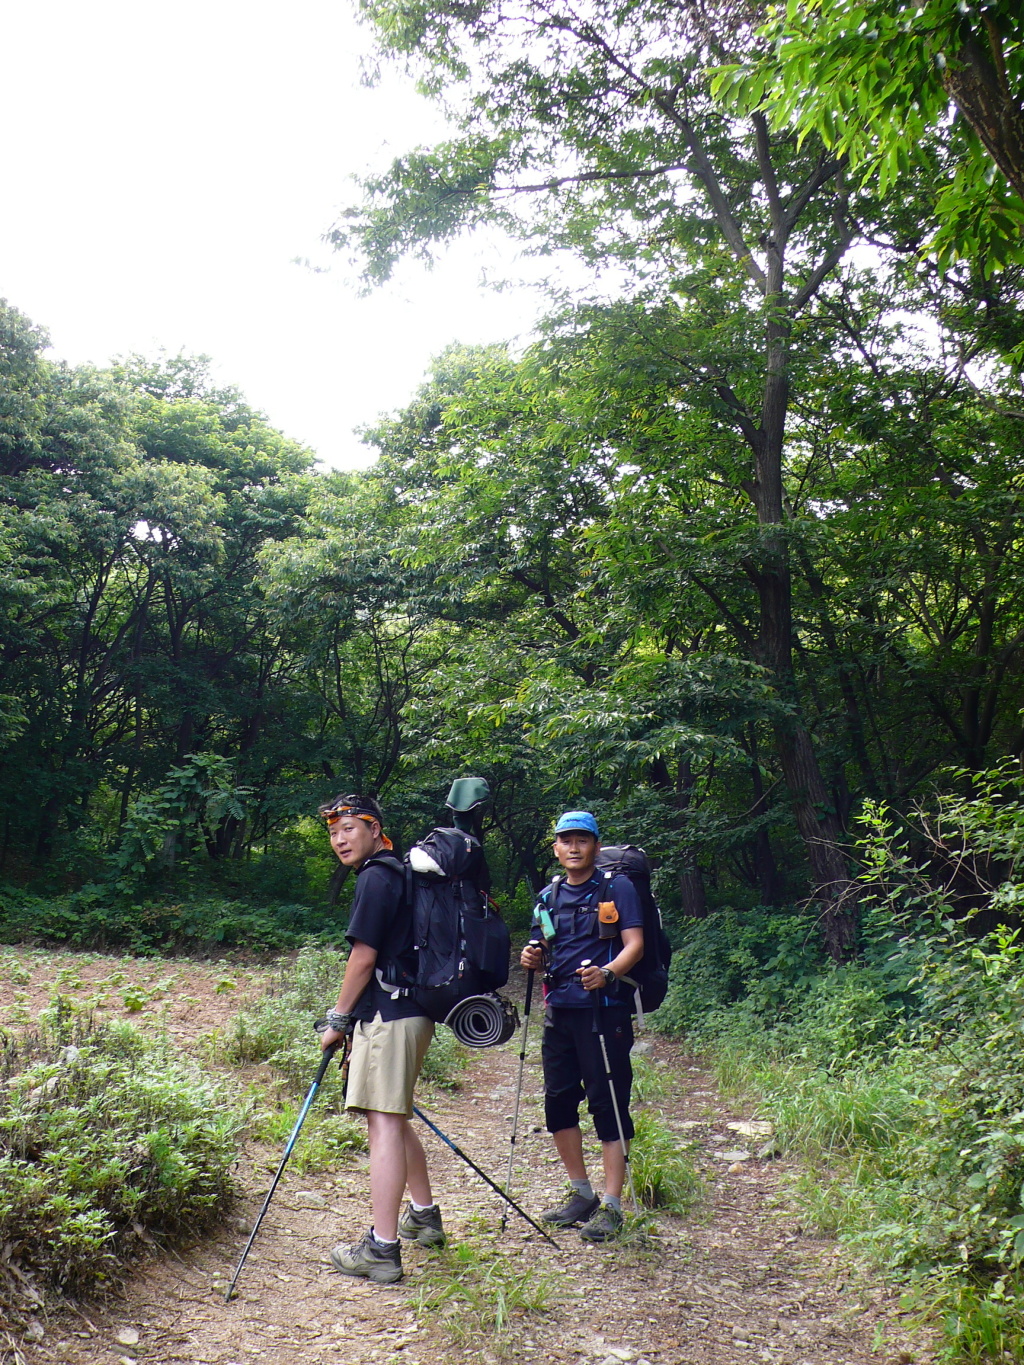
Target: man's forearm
[(629, 954), (362, 960)]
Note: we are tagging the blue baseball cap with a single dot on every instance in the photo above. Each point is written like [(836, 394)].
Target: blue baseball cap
[(580, 820)]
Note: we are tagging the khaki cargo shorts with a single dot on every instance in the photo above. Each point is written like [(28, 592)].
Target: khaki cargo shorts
[(386, 1060)]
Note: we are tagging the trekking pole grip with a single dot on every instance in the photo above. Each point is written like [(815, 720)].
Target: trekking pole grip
[(531, 973), (597, 998), (325, 1062)]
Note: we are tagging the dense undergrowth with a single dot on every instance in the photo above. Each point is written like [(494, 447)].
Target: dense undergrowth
[(896, 1079), (109, 1142), (96, 917)]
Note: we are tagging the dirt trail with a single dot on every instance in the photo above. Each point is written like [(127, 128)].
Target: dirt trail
[(736, 1281)]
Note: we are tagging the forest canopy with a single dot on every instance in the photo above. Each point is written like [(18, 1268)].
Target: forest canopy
[(730, 549)]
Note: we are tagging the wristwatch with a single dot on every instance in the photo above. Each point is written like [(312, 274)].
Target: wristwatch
[(609, 976)]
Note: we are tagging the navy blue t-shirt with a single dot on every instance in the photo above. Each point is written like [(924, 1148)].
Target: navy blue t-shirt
[(381, 919), (577, 937)]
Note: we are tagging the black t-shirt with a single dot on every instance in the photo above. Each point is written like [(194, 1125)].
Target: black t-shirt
[(381, 919)]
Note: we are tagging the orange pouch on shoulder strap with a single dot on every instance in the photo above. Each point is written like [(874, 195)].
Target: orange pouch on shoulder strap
[(607, 918)]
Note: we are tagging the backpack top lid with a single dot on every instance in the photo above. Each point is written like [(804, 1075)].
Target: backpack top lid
[(446, 853), (467, 793), (625, 858)]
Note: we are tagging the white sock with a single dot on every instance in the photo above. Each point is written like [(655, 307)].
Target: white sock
[(421, 1208)]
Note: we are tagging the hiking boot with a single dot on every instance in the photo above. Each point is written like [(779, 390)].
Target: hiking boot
[(382, 1265), (422, 1226), (605, 1225), (575, 1210)]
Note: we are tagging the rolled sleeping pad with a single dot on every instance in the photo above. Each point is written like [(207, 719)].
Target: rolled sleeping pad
[(483, 1020)]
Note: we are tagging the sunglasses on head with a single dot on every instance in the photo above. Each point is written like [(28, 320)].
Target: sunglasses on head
[(348, 805)]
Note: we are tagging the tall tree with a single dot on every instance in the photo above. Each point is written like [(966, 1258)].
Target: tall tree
[(134, 505), (594, 129)]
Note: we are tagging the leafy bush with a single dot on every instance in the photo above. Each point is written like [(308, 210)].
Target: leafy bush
[(97, 917), (106, 1139), (764, 958), (897, 1078), (517, 909), (846, 1015)]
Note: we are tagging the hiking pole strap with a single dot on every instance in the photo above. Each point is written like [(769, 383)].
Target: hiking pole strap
[(519, 1090), (325, 1062), (484, 1176)]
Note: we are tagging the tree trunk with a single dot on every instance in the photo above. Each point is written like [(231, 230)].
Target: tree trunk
[(693, 897), (815, 814), (766, 869), (822, 836), (981, 93)]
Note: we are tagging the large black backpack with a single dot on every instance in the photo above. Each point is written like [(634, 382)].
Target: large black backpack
[(650, 975), (461, 943)]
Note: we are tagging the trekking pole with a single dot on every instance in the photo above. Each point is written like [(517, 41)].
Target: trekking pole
[(615, 1100), (310, 1096), (484, 1176), (519, 1084)]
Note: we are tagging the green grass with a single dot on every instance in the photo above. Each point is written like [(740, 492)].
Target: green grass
[(818, 1113), (445, 1061), (974, 1324), (649, 1081), (325, 1140), (664, 1177), (278, 1029), (482, 1298)]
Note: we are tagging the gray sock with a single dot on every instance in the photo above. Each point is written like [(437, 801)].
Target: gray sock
[(613, 1201), (583, 1187)]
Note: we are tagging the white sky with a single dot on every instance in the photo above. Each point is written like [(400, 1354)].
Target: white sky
[(165, 164)]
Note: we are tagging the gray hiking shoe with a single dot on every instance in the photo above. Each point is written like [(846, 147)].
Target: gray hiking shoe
[(382, 1265), (575, 1210), (422, 1226), (605, 1225)]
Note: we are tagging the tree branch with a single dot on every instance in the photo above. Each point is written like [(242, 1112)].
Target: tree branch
[(556, 182), (762, 143)]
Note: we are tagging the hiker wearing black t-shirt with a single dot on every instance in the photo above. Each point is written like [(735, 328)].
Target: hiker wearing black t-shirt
[(390, 1037), (569, 920)]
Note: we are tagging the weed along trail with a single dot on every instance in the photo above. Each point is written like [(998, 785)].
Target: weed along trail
[(731, 1279)]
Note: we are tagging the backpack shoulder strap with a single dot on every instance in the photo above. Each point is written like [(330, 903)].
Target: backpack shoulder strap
[(388, 861), (603, 889), (543, 916)]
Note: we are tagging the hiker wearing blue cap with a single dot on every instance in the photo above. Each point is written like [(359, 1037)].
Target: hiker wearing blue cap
[(589, 932)]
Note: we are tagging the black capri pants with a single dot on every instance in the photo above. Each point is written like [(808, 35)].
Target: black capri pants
[(574, 1069)]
